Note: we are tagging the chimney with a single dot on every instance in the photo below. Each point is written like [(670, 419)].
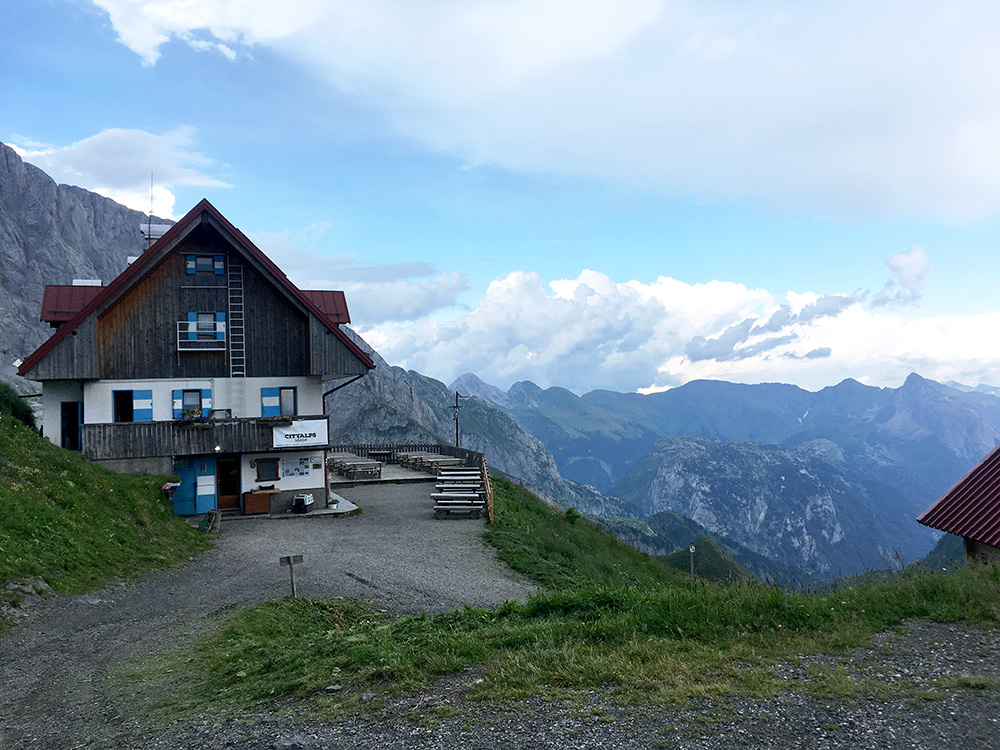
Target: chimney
[(153, 232)]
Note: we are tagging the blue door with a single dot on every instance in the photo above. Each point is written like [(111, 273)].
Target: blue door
[(204, 469), (197, 491), (184, 496)]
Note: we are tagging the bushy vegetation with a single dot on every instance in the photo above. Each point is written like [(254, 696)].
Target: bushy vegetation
[(612, 618), (11, 403), (78, 526)]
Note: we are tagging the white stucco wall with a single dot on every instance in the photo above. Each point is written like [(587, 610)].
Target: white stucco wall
[(97, 395), (54, 393), (315, 479)]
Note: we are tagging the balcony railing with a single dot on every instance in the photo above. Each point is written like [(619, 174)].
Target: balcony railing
[(184, 437)]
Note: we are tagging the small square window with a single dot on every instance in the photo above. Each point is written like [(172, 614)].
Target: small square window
[(204, 264), (288, 402), (206, 325), (191, 401), (267, 469)]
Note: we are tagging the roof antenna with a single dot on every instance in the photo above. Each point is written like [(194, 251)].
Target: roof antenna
[(149, 224)]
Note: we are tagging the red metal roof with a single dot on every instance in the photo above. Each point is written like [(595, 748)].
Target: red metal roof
[(60, 302), (972, 507), (332, 304), (147, 260)]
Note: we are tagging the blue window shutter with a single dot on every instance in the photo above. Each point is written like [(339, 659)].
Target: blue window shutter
[(270, 405), (219, 265), (178, 399), (189, 264), (206, 402), (192, 326), (220, 326), (142, 406)]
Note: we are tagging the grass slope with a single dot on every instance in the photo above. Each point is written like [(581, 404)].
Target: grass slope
[(710, 562), (78, 526), (610, 620)]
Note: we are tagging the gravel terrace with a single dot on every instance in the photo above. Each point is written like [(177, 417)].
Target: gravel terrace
[(56, 661)]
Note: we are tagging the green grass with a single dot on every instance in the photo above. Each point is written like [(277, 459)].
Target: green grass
[(543, 543), (78, 526), (611, 618)]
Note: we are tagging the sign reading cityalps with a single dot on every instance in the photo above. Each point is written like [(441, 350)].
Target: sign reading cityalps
[(302, 434)]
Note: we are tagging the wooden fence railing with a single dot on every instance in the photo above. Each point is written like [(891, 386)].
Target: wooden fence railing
[(391, 452)]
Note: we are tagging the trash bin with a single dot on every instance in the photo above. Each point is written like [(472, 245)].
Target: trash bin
[(302, 503)]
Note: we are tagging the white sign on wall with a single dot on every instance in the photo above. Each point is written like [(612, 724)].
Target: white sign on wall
[(301, 434)]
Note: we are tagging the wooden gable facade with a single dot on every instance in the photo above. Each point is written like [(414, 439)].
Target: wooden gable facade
[(136, 326)]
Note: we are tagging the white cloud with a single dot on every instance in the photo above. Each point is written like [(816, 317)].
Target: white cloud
[(118, 163), (391, 293), (592, 332), (851, 108), (908, 274)]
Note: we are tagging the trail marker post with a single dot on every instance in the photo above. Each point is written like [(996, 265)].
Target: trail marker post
[(290, 561)]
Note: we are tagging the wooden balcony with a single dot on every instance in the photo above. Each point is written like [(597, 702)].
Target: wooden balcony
[(184, 438)]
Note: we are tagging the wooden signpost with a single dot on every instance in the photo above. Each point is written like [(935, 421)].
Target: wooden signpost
[(290, 561)]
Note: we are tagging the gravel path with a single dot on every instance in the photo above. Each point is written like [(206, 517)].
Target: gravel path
[(56, 661)]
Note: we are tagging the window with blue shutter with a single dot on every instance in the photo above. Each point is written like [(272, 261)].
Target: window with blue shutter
[(270, 402), (189, 402), (205, 264), (142, 406)]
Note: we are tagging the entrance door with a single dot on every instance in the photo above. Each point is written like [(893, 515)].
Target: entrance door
[(184, 496), (71, 417), (227, 471), (197, 491)]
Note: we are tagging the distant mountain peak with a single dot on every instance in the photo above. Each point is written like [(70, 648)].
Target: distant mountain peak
[(471, 384)]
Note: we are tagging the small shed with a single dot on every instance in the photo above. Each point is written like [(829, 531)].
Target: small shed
[(971, 510)]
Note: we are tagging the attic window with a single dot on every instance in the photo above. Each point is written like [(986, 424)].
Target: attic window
[(204, 265)]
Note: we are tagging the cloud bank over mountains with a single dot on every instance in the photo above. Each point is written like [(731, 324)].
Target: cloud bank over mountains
[(592, 332)]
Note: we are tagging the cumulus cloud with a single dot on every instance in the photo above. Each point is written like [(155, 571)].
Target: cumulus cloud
[(908, 274), (791, 103), (118, 163)]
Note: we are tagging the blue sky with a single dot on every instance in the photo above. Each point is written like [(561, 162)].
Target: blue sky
[(621, 195)]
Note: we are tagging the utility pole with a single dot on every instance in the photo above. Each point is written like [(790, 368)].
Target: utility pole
[(691, 550), (457, 407)]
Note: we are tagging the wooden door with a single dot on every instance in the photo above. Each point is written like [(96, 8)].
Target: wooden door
[(228, 475)]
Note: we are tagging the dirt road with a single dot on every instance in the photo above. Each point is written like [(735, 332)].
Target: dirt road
[(55, 662)]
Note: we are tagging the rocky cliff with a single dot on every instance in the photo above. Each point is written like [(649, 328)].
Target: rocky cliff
[(52, 234)]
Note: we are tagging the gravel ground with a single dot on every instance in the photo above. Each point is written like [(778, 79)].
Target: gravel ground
[(57, 661)]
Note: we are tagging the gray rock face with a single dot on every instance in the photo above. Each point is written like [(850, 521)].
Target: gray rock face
[(794, 507), (52, 234)]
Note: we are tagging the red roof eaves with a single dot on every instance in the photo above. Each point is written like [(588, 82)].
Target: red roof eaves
[(971, 508)]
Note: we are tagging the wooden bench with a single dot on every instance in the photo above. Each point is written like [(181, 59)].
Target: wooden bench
[(356, 469), (444, 508)]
